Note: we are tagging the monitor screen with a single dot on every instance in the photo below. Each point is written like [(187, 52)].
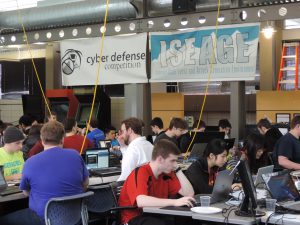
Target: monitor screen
[(249, 203), (97, 158), (105, 144), (206, 137), (84, 112), (61, 109)]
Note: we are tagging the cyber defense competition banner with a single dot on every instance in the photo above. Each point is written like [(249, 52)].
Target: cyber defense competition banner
[(185, 56), (123, 60)]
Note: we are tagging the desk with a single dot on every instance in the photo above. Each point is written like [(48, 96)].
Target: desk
[(102, 180), (13, 202), (290, 219), (218, 217)]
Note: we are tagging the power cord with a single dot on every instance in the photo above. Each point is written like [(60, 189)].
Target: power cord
[(226, 213)]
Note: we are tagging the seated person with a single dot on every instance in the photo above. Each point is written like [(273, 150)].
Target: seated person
[(95, 134), (72, 139), (110, 134), (157, 127), (225, 126), (152, 184), (287, 149), (11, 156), (55, 172), (33, 137), (202, 173)]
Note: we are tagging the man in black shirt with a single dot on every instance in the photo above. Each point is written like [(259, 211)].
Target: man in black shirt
[(287, 150)]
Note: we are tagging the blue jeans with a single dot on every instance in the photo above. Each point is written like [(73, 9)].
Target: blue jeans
[(22, 217)]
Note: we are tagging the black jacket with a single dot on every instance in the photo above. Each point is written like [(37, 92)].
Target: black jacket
[(271, 137), (198, 175)]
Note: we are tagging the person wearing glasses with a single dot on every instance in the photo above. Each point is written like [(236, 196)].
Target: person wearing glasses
[(136, 150)]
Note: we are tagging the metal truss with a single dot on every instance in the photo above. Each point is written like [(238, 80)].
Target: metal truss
[(251, 14)]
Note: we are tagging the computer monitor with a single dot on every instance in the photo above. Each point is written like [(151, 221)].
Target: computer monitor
[(206, 137), (97, 158), (83, 112), (249, 203)]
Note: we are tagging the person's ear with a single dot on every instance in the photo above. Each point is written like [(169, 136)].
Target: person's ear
[(211, 156)]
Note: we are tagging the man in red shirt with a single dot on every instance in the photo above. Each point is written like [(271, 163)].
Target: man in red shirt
[(154, 183)]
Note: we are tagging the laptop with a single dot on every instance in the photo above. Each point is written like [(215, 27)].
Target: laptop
[(105, 144), (282, 187), (197, 150), (259, 182), (97, 162), (222, 187), (4, 188), (229, 143)]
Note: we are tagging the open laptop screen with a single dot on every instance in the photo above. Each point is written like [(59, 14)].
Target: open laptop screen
[(97, 158), (3, 184), (281, 186), (105, 144)]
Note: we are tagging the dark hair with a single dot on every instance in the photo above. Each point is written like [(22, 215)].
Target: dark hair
[(26, 120), (215, 146), (264, 123), (253, 143), (295, 121), (108, 129), (69, 123), (223, 123), (201, 124), (35, 130), (52, 132), (178, 123), (157, 122), (164, 148), (94, 123), (134, 123)]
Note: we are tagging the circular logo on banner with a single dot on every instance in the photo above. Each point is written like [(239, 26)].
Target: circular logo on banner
[(70, 61)]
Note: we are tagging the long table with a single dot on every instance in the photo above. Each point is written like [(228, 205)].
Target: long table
[(288, 219)]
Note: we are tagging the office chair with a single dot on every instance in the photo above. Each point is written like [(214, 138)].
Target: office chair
[(100, 204), (67, 210)]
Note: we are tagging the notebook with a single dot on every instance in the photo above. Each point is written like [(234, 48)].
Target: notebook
[(222, 187), (4, 188), (282, 187)]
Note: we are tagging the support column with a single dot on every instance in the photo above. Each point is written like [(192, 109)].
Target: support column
[(138, 103), (237, 109), (53, 69)]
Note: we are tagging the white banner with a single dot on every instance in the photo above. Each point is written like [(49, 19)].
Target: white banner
[(185, 56), (123, 60)]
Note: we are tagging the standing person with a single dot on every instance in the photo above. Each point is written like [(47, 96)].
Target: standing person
[(287, 149), (272, 134), (176, 128), (152, 185), (95, 135), (55, 172), (11, 156), (225, 126), (139, 150), (202, 173)]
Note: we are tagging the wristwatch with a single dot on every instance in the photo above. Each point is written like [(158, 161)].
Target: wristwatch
[(177, 170)]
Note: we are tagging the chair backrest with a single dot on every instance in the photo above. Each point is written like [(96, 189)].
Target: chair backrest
[(116, 188), (102, 200), (67, 210)]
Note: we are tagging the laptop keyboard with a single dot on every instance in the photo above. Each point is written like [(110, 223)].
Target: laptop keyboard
[(105, 172), (10, 190)]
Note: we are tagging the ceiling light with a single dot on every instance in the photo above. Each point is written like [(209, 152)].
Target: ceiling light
[(268, 31)]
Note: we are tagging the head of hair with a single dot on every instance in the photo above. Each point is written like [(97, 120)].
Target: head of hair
[(253, 143), (156, 121), (134, 123), (223, 123), (94, 123), (52, 132), (215, 147), (178, 123), (69, 123), (108, 129), (164, 148), (201, 124), (25, 120), (295, 121), (264, 123), (35, 130)]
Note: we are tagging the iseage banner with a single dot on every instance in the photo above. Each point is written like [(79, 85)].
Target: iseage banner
[(185, 56), (123, 60)]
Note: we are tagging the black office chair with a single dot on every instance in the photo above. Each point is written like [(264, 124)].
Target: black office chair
[(67, 210), (100, 204)]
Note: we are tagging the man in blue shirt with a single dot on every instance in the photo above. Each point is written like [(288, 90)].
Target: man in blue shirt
[(95, 135), (55, 172)]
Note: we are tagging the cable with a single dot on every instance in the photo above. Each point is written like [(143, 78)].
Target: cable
[(228, 211), (32, 60), (98, 76), (211, 66)]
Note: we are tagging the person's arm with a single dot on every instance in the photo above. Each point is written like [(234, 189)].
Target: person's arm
[(129, 163), (26, 193), (14, 177), (186, 187), (288, 164), (149, 201), (85, 184)]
